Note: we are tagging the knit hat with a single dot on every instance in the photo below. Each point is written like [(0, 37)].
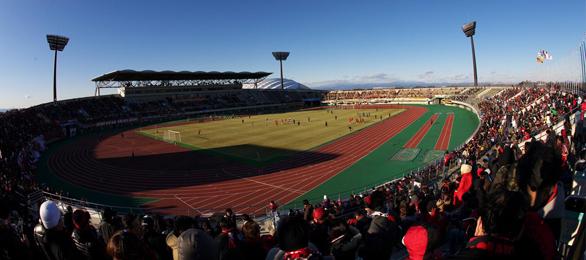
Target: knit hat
[(466, 168), (49, 214), (415, 240)]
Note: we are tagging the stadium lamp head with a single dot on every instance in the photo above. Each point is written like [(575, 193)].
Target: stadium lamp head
[(280, 55), (469, 29), (57, 42)]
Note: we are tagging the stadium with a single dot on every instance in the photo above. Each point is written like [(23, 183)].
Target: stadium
[(165, 164)]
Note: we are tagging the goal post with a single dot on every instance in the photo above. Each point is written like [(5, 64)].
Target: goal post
[(172, 136)]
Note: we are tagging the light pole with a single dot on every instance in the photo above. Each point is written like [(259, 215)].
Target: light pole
[(56, 43), (469, 29), (281, 56)]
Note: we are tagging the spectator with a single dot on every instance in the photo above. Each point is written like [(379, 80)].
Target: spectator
[(154, 240), (181, 224), (251, 247), (319, 228), (68, 220), (344, 241), (465, 183), (85, 237), (106, 229), (13, 246), (230, 217), (500, 222), (124, 245), (194, 244), (307, 211), (361, 221), (227, 240), (50, 235), (381, 234), (293, 241), (421, 241)]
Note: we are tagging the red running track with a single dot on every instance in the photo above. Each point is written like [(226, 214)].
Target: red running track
[(416, 139), (103, 164), (443, 142)]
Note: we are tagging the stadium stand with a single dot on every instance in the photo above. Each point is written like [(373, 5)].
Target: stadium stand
[(490, 198)]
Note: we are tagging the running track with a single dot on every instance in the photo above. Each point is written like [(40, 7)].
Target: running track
[(443, 142), (216, 185), (416, 139)]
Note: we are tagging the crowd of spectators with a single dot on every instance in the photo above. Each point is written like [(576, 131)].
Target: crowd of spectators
[(502, 202), (467, 94), (392, 93)]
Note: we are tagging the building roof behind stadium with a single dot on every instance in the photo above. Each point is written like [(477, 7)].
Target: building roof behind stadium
[(149, 75)]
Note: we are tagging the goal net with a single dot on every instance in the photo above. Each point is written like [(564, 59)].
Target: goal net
[(172, 136)]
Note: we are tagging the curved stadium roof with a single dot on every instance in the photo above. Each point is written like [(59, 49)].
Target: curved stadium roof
[(132, 75), (275, 83)]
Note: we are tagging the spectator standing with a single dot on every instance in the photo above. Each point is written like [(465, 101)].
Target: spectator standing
[(85, 237), (194, 244), (51, 236)]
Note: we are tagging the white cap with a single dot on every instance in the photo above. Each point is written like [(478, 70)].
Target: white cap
[(49, 214)]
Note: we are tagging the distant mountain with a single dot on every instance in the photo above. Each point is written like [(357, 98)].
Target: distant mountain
[(395, 84), (3, 110)]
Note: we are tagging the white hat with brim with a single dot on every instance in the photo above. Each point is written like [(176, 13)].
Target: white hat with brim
[(49, 214)]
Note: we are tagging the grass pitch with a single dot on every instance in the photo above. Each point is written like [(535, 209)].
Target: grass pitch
[(263, 138)]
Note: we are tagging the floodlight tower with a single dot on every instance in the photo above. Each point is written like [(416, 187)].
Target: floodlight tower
[(281, 56), (469, 29), (56, 43)]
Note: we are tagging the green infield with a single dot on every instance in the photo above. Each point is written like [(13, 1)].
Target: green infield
[(266, 138)]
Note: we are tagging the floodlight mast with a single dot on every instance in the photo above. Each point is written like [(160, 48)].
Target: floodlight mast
[(56, 43), (281, 56), (470, 29)]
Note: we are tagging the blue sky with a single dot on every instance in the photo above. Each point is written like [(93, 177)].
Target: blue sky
[(330, 41)]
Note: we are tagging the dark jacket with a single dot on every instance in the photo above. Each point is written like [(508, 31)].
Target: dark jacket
[(346, 246), (319, 237), (157, 244), (87, 243), (362, 225), (251, 250), (379, 240), (55, 244)]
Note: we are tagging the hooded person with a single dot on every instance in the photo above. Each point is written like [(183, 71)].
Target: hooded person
[(195, 244), (50, 235), (465, 184)]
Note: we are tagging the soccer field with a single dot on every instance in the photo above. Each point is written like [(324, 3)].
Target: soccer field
[(263, 138)]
